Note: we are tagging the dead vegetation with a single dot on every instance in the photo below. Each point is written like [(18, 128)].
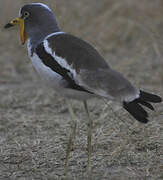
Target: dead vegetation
[(34, 121)]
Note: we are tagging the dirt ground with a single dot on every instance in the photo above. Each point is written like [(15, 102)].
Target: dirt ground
[(34, 121)]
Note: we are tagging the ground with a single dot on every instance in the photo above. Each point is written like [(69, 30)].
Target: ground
[(34, 121)]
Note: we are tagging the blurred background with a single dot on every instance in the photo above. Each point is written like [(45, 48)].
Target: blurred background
[(128, 34)]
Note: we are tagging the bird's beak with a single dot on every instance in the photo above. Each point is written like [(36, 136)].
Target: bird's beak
[(18, 21)]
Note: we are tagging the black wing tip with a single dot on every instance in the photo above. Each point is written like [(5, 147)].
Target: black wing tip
[(8, 25), (150, 97)]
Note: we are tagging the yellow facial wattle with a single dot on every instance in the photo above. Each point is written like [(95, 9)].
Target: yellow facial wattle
[(20, 22)]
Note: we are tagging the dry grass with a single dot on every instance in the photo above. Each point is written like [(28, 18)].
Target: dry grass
[(34, 121)]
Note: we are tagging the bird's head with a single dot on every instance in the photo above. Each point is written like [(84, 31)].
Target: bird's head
[(36, 20)]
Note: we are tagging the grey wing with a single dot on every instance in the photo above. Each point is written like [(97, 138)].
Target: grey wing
[(108, 83), (91, 70)]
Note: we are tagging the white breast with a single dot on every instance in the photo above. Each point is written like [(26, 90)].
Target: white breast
[(46, 74)]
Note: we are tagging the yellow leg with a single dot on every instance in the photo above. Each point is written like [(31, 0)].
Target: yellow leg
[(72, 136), (89, 137)]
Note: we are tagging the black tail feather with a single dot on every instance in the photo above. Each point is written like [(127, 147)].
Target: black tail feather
[(136, 111), (150, 97), (146, 104), (135, 108)]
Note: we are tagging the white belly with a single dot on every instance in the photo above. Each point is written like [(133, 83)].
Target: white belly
[(50, 77)]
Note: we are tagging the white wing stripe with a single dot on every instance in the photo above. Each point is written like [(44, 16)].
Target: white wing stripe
[(61, 61)]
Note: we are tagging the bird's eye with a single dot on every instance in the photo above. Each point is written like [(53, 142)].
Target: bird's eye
[(26, 14)]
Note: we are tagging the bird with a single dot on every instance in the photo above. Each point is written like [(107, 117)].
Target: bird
[(75, 69)]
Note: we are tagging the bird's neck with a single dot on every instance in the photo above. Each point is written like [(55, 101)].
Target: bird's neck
[(38, 36), (40, 30)]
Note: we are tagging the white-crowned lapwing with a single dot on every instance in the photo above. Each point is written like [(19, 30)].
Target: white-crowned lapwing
[(75, 69)]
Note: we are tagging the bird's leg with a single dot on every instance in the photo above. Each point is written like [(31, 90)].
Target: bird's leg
[(89, 137), (72, 135)]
